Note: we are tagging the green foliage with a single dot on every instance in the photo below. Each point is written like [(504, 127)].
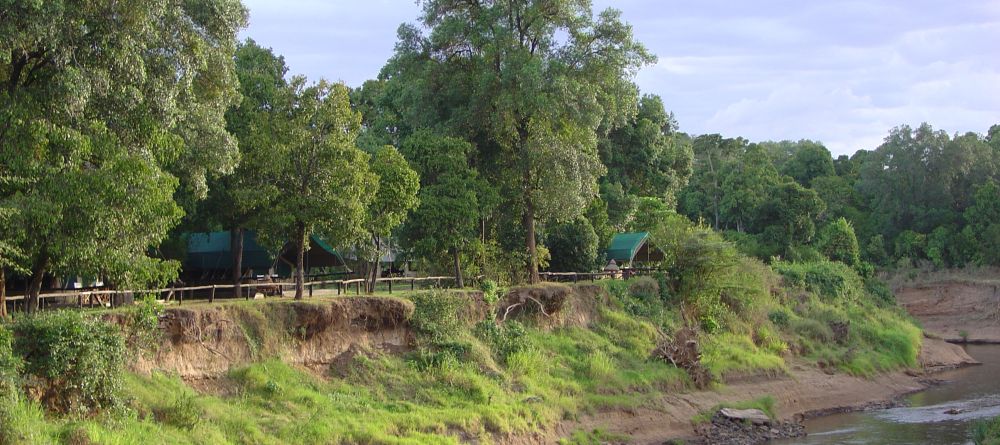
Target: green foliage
[(644, 288), (838, 242), (986, 432), (77, 361), (143, 326), (504, 339), (810, 161), (573, 246), (594, 437), (535, 103), (103, 123), (436, 315), (184, 413), (491, 292)]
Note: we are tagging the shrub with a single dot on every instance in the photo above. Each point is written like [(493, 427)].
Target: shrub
[(436, 315), (838, 242), (184, 412), (812, 329), (644, 288), (144, 325), (9, 365), (491, 292), (77, 362), (779, 317), (504, 339), (880, 293)]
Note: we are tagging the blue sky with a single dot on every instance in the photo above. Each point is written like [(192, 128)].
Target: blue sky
[(842, 72)]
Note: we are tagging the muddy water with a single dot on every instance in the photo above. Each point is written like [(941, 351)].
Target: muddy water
[(973, 393)]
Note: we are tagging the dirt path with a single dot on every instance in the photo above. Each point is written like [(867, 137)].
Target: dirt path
[(806, 389), (949, 308)]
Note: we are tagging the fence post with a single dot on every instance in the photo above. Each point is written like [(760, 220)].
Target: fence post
[(357, 288), (211, 297), (310, 290), (79, 300), (413, 283), (390, 285)]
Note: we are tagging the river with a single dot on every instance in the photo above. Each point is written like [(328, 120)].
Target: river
[(974, 392)]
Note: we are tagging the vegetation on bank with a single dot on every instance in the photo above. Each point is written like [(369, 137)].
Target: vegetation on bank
[(466, 377)]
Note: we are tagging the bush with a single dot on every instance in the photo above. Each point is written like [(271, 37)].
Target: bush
[(9, 365), (76, 362), (184, 412), (779, 317), (812, 329), (573, 246), (838, 242), (644, 288), (144, 325), (504, 339), (491, 292), (880, 293), (436, 315)]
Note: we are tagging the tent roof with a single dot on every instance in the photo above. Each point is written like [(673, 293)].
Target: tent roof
[(211, 250), (624, 246)]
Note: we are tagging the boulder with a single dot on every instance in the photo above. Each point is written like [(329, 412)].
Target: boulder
[(754, 416)]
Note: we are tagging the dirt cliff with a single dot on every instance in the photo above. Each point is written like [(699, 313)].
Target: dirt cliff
[(948, 309)]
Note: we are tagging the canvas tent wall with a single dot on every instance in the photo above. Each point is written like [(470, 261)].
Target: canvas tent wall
[(209, 256), (631, 249)]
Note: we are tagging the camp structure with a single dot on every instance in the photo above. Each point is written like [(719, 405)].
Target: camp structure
[(209, 258), (631, 250)]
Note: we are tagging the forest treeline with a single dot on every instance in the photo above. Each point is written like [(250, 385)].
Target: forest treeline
[(500, 138)]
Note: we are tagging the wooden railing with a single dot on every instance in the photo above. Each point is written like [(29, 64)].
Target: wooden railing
[(99, 297), (92, 298)]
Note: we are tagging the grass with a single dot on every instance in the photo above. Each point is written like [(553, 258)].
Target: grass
[(472, 383)]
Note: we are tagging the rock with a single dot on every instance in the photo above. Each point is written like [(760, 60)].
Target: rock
[(739, 430), (954, 411), (754, 416)]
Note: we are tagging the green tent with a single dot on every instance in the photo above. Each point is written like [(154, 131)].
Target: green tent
[(210, 253), (629, 248)]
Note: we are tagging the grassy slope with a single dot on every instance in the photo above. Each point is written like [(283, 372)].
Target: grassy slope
[(552, 375)]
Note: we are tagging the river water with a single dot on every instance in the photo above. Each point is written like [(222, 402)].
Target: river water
[(973, 392)]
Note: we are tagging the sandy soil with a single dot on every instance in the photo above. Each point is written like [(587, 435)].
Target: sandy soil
[(948, 308), (805, 391)]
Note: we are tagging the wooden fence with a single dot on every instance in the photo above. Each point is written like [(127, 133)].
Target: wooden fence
[(92, 298)]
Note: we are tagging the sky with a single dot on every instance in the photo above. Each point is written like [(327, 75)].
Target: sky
[(840, 72)]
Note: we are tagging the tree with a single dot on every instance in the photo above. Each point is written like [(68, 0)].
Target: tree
[(790, 211), (981, 218), (745, 186), (645, 156), (713, 154), (573, 246), (649, 213), (236, 200), (397, 191), (809, 160), (533, 84), (446, 221), (322, 179), (838, 242), (105, 110)]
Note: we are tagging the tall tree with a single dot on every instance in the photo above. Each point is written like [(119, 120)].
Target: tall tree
[(236, 200), (447, 220), (809, 160), (105, 109), (323, 181), (397, 191), (702, 199), (645, 156), (533, 83)]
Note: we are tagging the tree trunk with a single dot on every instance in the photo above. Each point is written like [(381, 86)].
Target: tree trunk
[(236, 248), (300, 263), (3, 293), (374, 266), (529, 237), (35, 287), (456, 255)]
